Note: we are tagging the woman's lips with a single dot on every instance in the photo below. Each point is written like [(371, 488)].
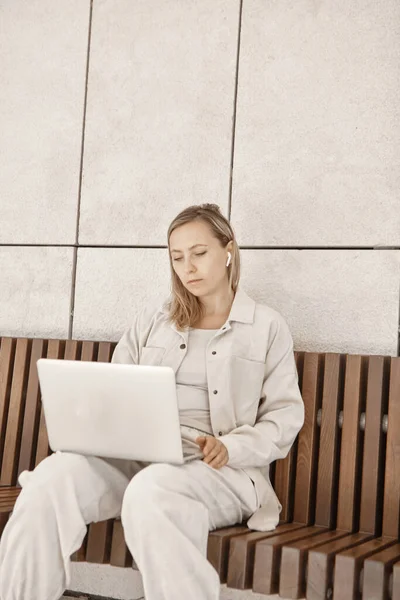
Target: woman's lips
[(194, 281)]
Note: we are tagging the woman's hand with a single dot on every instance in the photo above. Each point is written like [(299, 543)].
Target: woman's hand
[(215, 452)]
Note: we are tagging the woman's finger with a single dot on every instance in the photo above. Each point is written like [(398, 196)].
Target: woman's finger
[(210, 444), (212, 454), (218, 462)]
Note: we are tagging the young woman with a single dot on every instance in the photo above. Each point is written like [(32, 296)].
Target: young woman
[(240, 409)]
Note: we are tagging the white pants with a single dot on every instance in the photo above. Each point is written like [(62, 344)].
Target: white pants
[(166, 513)]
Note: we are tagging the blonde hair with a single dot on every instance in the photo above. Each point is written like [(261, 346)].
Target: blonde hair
[(185, 309)]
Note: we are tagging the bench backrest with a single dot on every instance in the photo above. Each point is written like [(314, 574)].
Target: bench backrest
[(335, 474), (23, 435)]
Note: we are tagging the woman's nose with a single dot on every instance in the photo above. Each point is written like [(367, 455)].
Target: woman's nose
[(188, 266)]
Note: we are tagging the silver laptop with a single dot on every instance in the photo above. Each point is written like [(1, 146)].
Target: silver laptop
[(111, 410)]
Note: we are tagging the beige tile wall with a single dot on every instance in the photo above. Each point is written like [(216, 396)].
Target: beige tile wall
[(42, 75), (315, 180), (159, 116), (318, 124)]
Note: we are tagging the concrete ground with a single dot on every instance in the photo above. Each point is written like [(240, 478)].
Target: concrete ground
[(103, 582), (225, 595)]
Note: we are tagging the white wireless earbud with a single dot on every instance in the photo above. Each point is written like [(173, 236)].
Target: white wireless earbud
[(228, 262)]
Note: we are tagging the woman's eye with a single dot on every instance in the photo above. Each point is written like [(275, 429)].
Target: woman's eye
[(201, 254)]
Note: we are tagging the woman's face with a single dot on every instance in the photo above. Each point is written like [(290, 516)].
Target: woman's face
[(198, 258)]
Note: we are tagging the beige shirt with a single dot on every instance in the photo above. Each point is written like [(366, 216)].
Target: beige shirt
[(256, 408), (192, 392)]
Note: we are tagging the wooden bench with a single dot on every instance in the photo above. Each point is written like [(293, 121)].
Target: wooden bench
[(339, 486)]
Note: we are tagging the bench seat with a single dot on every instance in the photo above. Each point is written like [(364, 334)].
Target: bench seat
[(339, 486)]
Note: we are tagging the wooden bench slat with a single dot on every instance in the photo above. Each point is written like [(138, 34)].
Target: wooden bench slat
[(71, 351), (80, 554), (8, 502), (6, 506), (218, 546), (321, 562), (348, 567), (307, 455), (105, 352), (15, 413), (327, 459), (6, 490), (377, 571), (391, 515), (98, 548), (3, 521), (9, 492), (7, 349), (350, 448), (42, 449), (282, 484), (292, 581), (8, 497), (285, 469), (120, 555), (88, 351), (32, 410), (54, 350), (268, 556), (242, 554), (372, 476)]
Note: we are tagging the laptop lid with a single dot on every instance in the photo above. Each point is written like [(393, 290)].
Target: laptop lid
[(111, 410)]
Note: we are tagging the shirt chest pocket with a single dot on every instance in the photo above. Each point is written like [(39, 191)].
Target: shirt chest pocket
[(246, 380), (151, 355)]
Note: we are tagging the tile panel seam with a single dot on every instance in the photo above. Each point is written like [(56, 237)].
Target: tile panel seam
[(78, 211)]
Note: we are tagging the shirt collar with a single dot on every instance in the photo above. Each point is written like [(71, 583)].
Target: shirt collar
[(242, 309)]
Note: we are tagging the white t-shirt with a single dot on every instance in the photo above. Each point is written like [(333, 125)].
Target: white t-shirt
[(192, 392)]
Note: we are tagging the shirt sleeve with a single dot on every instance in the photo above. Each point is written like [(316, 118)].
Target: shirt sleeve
[(280, 414), (128, 349)]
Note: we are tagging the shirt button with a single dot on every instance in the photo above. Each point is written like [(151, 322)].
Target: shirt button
[(215, 392), (223, 329), (213, 352), (182, 346), (220, 433)]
